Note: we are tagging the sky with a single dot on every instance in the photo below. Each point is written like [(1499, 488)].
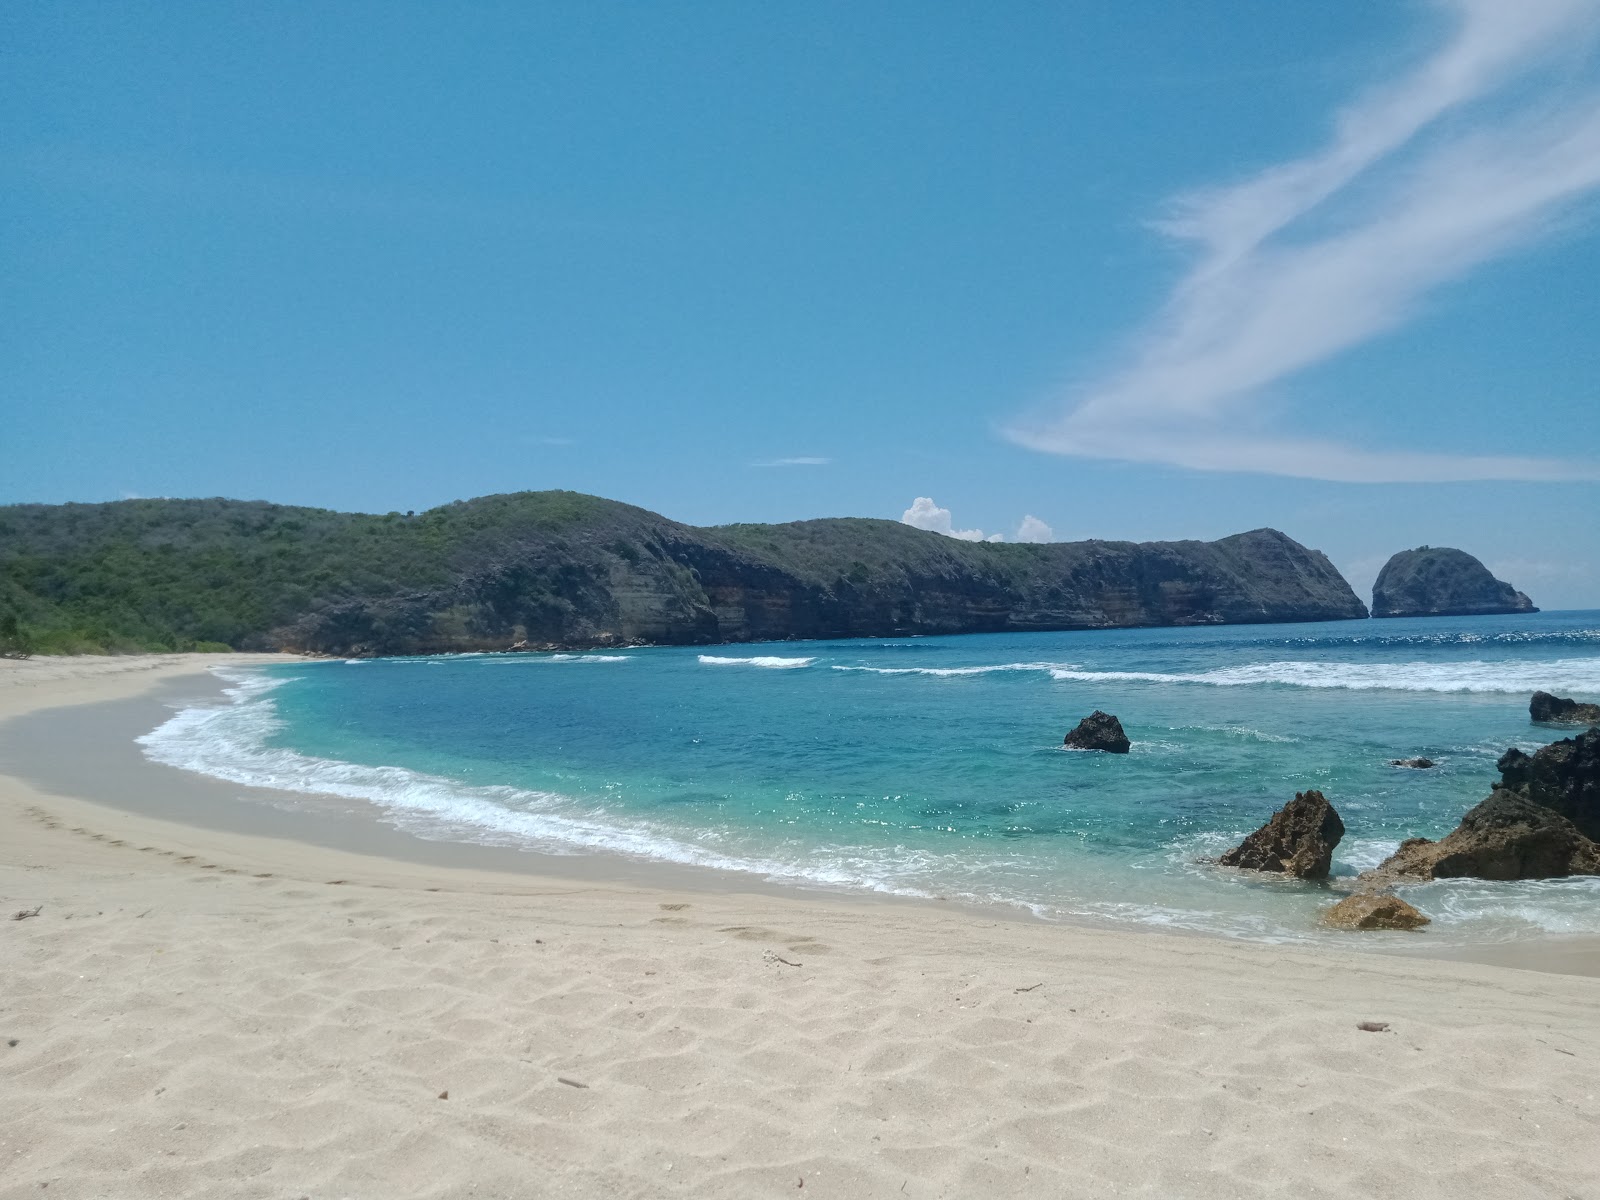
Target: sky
[(1035, 271)]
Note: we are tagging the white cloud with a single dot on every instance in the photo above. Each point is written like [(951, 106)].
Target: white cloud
[(804, 461), (1467, 157), (1034, 530), (925, 514)]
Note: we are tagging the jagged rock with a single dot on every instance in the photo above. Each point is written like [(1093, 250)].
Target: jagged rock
[(1506, 836), (1563, 776), (1420, 764), (1554, 710), (1436, 581), (1098, 731), (1298, 840), (1373, 910)]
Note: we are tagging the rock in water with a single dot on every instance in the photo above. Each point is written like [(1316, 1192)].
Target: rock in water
[(1099, 731), (1554, 710), (1370, 910), (1563, 776), (1298, 840), (1419, 764), (1506, 836), (1436, 581)]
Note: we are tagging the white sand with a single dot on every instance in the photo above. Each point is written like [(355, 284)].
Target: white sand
[(204, 1014)]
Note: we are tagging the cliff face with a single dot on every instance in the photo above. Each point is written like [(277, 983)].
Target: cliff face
[(673, 584), (1435, 581)]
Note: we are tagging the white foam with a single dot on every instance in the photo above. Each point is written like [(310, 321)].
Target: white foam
[(1565, 674), (771, 662), (231, 741), (947, 672)]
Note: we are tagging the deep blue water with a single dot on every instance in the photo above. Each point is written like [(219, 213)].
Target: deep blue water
[(934, 766)]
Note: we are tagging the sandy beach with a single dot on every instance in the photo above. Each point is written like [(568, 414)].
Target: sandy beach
[(196, 1010)]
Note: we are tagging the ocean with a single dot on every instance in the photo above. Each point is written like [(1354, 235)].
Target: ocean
[(933, 767)]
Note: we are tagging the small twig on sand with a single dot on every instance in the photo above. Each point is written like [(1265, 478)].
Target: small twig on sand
[(772, 956), (570, 1082), (27, 912), (1034, 988)]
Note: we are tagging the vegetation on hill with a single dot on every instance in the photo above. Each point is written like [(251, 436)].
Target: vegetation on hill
[(560, 568)]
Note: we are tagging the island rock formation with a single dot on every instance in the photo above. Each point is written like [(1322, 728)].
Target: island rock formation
[(1553, 710), (1435, 581), (1373, 910), (1098, 731), (1416, 764), (564, 570), (1298, 840)]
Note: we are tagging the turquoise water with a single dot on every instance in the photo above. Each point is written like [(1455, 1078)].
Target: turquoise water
[(934, 766)]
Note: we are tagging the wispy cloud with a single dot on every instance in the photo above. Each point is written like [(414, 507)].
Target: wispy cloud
[(1469, 156), (539, 439), (925, 514), (803, 461)]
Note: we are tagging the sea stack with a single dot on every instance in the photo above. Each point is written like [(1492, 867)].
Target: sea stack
[(1098, 731), (1436, 581)]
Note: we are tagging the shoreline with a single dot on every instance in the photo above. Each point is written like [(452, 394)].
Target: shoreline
[(72, 755), (208, 1012)]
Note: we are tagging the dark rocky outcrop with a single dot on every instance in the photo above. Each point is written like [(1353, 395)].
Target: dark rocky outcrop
[(1546, 709), (1505, 837), (1563, 776), (564, 569), (1098, 731), (1373, 910), (1298, 840), (1436, 581), (1416, 764)]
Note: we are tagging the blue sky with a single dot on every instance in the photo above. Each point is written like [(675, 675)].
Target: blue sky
[(1140, 270)]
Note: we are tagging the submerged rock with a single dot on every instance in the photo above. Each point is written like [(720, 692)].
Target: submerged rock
[(1419, 764), (1436, 581), (1373, 910), (1504, 837), (1563, 776), (1298, 840), (1099, 731), (1554, 710)]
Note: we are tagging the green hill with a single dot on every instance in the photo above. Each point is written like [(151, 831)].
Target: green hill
[(564, 569)]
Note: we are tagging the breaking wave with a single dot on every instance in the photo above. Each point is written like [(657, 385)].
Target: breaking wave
[(771, 662), (1565, 675)]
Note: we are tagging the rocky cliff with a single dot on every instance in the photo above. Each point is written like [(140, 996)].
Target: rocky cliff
[(562, 569), (1435, 581), (637, 577)]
